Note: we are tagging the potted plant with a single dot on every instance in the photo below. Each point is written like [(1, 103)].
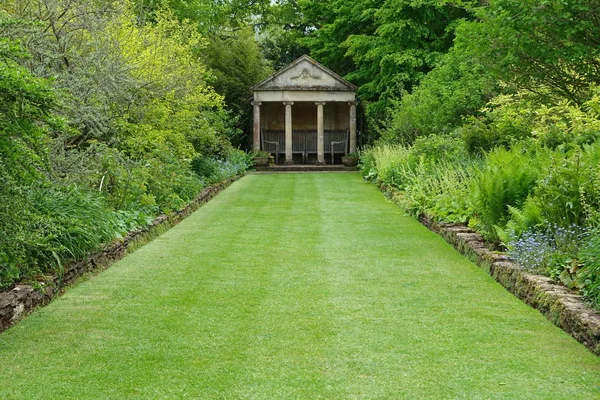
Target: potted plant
[(350, 160), (261, 158)]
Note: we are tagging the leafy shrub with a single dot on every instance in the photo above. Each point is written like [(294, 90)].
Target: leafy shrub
[(440, 190), (26, 103), (127, 221), (433, 176), (54, 225), (589, 275), (565, 125), (456, 87), (213, 170), (205, 167), (482, 135), (367, 165), (507, 178), (385, 163), (435, 148), (569, 192), (478, 137)]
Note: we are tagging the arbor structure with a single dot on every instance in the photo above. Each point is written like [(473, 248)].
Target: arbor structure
[(323, 118)]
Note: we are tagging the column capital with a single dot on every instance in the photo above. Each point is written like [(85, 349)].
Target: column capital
[(352, 103), (288, 103), (320, 103), (256, 103)]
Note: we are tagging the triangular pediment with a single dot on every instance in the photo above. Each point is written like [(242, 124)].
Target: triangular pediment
[(305, 74)]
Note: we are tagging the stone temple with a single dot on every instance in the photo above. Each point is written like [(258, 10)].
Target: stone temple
[(305, 114)]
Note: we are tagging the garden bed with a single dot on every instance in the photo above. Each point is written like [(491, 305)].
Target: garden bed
[(560, 305), (21, 299)]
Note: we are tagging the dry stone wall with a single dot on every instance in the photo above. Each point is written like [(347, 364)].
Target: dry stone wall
[(560, 305), (20, 300)]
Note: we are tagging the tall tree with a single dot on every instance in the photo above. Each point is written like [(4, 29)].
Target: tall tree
[(383, 46), (231, 52), (539, 44), (237, 63), (26, 105), (280, 33), (409, 40)]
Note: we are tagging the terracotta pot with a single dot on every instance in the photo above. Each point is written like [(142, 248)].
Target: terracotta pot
[(350, 161)]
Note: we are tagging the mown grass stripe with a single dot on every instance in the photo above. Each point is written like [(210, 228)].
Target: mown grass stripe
[(294, 286)]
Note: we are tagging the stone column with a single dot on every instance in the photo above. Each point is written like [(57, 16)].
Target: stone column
[(288, 132), (352, 105), (320, 133), (256, 131)]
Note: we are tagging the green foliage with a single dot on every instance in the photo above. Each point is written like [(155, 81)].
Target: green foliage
[(436, 148), (565, 125), (409, 39), (383, 164), (432, 177), (543, 58), (505, 180), (230, 49), (44, 227), (456, 87), (479, 138), (212, 169), (506, 120), (569, 190), (207, 16), (439, 190), (205, 167), (105, 144), (366, 164), (282, 30), (529, 218), (383, 46), (237, 62), (26, 102), (281, 43), (532, 44), (588, 276)]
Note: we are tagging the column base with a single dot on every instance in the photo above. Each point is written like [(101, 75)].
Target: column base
[(288, 162), (321, 162)]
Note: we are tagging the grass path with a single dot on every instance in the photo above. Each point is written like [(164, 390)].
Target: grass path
[(294, 286)]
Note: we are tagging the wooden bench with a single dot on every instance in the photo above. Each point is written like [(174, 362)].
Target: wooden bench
[(273, 141), (336, 142)]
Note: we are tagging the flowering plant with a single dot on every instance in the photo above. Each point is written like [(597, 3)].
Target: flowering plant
[(552, 251)]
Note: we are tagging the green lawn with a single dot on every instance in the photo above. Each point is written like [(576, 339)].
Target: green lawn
[(294, 286)]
